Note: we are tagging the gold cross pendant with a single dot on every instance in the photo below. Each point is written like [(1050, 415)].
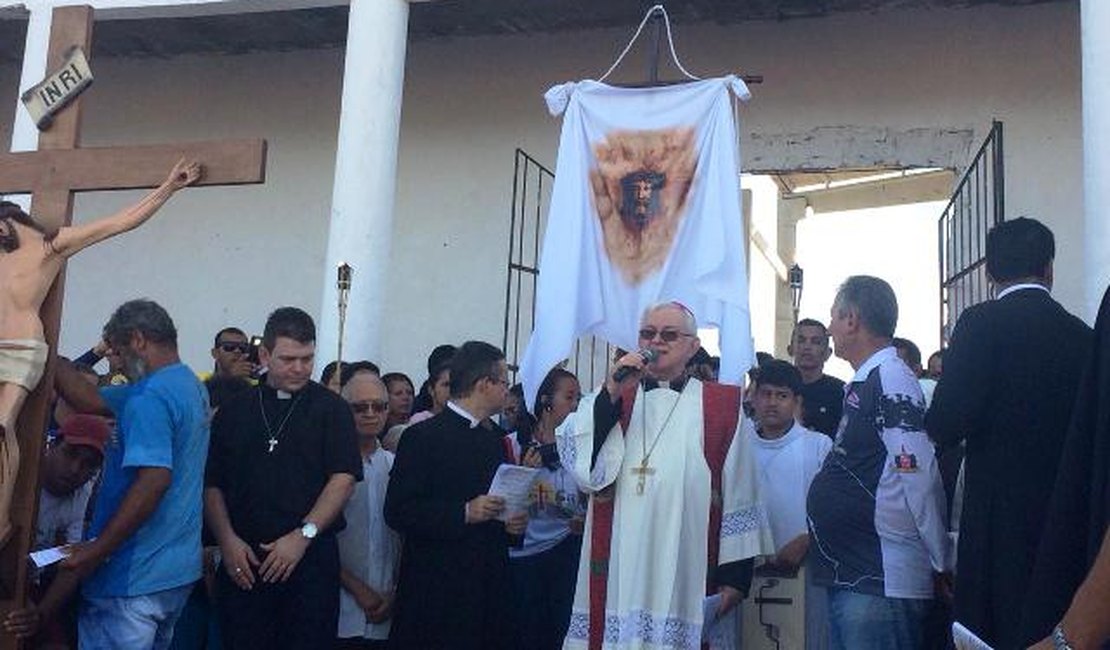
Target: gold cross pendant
[(642, 472)]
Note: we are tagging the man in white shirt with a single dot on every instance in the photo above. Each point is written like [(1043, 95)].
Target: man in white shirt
[(788, 456), (368, 549)]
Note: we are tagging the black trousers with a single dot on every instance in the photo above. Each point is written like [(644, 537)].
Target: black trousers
[(543, 594), (301, 613)]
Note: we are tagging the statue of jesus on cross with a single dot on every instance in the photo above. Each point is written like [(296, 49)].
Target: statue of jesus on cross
[(31, 257)]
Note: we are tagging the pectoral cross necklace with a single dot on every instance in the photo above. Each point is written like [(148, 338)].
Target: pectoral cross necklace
[(274, 437), (643, 470)]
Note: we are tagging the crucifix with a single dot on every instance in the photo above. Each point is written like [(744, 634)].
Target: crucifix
[(51, 176), (642, 471)]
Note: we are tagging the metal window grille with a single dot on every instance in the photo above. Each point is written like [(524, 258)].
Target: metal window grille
[(532, 184), (977, 204)]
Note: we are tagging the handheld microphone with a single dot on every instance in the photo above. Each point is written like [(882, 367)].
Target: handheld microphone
[(647, 354)]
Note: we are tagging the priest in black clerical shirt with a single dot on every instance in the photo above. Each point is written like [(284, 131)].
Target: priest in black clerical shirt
[(453, 587), (283, 461)]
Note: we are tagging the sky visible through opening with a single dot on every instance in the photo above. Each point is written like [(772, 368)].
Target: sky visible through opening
[(898, 244)]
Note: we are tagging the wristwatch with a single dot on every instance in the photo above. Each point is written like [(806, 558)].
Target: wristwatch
[(309, 530), (1059, 641)]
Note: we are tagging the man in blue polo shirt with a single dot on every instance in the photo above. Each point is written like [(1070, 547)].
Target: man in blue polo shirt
[(143, 552)]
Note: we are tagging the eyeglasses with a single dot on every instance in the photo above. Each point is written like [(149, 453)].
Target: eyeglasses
[(363, 407), (668, 336), (499, 380), (229, 346)]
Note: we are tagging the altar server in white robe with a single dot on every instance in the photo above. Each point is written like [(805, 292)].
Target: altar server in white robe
[(674, 492), (788, 456)]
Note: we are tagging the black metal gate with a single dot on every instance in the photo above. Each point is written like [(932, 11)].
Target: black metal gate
[(532, 184), (977, 204)]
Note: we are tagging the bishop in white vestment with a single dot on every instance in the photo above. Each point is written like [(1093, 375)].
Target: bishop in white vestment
[(675, 512)]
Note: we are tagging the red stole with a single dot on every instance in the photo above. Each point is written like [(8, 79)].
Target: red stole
[(720, 414)]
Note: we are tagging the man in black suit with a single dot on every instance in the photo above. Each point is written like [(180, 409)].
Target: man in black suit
[(453, 587), (1010, 377)]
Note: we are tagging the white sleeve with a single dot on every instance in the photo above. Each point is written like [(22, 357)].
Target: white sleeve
[(745, 529), (575, 441), (902, 410)]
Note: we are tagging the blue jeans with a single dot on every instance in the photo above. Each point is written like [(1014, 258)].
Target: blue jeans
[(133, 622), (864, 622)]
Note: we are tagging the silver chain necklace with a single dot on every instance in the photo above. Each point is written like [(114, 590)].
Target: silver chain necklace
[(274, 437)]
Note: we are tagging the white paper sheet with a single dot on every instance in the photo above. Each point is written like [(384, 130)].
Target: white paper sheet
[(965, 639), (514, 484), (48, 556)]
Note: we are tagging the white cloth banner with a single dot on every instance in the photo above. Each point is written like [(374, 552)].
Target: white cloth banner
[(645, 208)]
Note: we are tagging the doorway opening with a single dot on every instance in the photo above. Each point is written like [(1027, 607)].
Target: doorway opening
[(838, 223)]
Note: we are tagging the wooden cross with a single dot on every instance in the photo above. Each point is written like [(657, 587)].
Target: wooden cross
[(52, 175)]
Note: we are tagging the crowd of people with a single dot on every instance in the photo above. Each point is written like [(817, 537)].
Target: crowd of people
[(253, 507)]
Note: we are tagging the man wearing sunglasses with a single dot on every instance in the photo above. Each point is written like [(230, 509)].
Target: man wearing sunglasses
[(671, 476), (368, 549), (231, 352)]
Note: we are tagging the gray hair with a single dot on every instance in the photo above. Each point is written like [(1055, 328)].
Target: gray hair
[(141, 316), (872, 300), (691, 323), (347, 389)]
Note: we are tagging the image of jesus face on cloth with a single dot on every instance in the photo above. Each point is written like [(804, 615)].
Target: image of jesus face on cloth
[(640, 189)]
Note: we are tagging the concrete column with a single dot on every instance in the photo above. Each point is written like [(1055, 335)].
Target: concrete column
[(791, 211), (25, 136), (1095, 20), (361, 225)]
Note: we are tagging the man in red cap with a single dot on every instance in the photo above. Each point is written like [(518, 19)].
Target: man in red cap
[(68, 467)]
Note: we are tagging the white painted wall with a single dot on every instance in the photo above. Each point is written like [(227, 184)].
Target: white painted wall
[(219, 256)]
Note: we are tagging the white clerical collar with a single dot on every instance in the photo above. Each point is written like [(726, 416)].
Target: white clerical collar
[(873, 361), (1020, 287), (474, 422)]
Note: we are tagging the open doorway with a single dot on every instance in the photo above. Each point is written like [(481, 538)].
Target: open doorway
[(834, 224)]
